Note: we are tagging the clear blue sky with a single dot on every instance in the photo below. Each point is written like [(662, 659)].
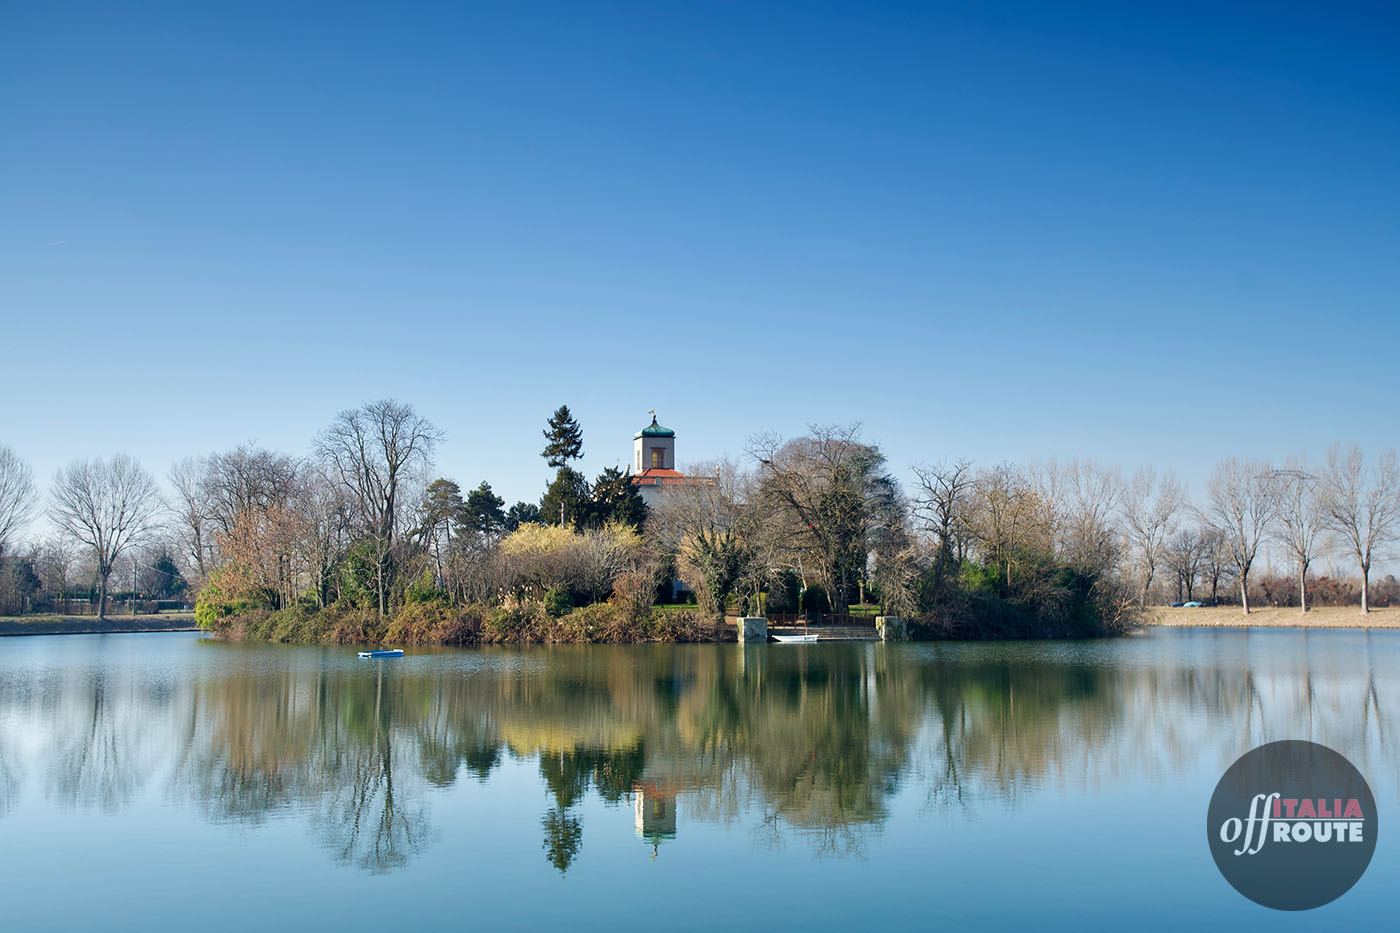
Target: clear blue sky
[(1136, 232)]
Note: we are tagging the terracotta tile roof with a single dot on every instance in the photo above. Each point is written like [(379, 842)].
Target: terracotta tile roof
[(659, 477)]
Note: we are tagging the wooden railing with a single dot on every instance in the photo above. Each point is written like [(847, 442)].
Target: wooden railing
[(821, 619)]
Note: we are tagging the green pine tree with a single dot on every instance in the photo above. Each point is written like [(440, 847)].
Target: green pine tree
[(522, 513), (484, 509), (565, 439)]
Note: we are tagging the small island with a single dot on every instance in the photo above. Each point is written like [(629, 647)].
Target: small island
[(359, 542), (812, 530)]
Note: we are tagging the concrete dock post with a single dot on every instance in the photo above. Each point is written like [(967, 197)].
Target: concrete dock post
[(892, 628), (752, 629)]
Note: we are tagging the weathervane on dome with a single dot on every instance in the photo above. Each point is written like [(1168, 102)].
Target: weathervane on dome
[(652, 412)]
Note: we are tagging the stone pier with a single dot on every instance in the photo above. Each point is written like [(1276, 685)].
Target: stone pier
[(891, 628), (752, 629)]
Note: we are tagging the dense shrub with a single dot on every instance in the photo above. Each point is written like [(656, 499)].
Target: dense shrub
[(359, 574), (515, 622), (424, 589), (301, 624), (613, 622), (1282, 590), (227, 594), (557, 601), (1046, 599), (435, 623), (535, 559)]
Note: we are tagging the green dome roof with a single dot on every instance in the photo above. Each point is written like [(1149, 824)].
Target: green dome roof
[(654, 430)]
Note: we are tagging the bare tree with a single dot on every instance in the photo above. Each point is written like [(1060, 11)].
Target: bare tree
[(943, 505), (371, 451), (1301, 519), (191, 509), (901, 559), (1085, 499), (56, 557), (1362, 507), (246, 478), (107, 505), (1151, 510), (1243, 505), (1215, 560), (324, 527), (1009, 518), (1185, 555), (18, 498), (829, 491), (705, 524)]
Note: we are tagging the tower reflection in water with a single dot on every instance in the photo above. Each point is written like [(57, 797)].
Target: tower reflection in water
[(656, 814)]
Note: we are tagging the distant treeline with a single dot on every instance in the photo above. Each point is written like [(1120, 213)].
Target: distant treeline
[(359, 541)]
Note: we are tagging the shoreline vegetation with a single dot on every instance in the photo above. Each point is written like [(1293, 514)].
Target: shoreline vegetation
[(681, 624), (466, 626), (355, 541), (1272, 617), (53, 624)]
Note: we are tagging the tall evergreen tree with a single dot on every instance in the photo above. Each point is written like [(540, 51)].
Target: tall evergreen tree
[(442, 515), (565, 439), (442, 503)]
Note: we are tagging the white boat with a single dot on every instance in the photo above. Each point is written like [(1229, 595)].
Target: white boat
[(795, 639), (383, 653)]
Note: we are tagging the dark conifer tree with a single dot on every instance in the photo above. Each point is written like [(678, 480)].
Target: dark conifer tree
[(615, 499), (565, 439), (484, 509), (568, 500), (522, 513)]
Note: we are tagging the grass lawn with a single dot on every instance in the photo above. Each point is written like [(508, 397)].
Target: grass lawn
[(677, 607), (1323, 617)]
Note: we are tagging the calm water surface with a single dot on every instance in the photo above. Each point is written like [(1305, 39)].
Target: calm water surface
[(168, 781)]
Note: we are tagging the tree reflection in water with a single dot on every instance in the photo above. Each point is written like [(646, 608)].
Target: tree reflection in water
[(10, 776), (102, 756), (801, 743), (563, 837)]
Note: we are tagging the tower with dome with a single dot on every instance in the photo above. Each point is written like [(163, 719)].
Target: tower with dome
[(654, 463)]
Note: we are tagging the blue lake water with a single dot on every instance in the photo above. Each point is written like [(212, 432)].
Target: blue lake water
[(167, 781)]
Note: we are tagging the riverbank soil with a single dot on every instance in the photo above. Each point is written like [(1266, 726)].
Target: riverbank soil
[(88, 625), (1322, 617)]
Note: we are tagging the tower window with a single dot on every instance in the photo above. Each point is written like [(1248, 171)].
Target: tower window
[(658, 458)]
